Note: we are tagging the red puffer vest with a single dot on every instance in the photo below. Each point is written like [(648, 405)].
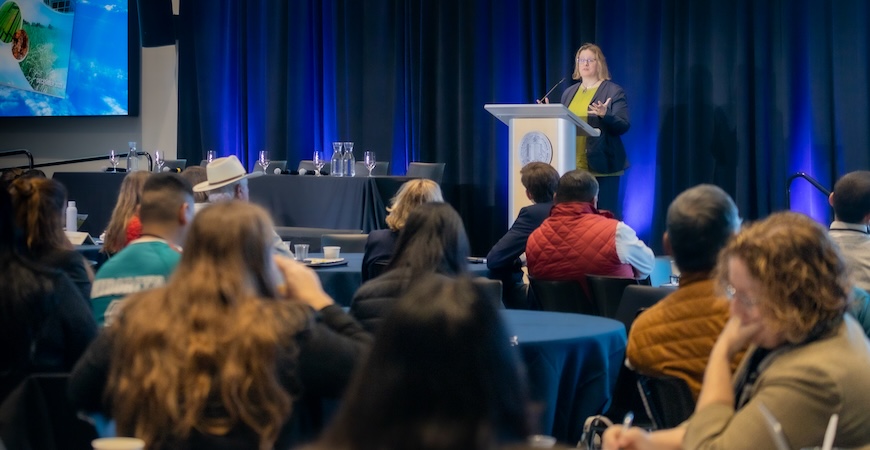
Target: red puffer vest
[(574, 241)]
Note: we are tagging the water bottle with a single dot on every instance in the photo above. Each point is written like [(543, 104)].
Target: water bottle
[(72, 216), (336, 165), (132, 158), (351, 164)]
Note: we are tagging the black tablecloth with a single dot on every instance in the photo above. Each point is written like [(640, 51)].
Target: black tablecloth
[(293, 200)]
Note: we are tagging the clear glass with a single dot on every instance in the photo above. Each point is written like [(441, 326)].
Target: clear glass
[(318, 162), (370, 161), (210, 155), (159, 160), (337, 160), (114, 160), (349, 161), (263, 160)]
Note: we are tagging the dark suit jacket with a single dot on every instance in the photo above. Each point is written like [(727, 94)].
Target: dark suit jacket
[(606, 153), (379, 247), (502, 261)]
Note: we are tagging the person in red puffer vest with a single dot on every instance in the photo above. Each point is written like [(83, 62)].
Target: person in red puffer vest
[(578, 239)]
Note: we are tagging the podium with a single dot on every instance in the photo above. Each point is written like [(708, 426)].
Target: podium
[(538, 132)]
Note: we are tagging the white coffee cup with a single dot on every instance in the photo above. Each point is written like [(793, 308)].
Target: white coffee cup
[(331, 252), (542, 441), (118, 443)]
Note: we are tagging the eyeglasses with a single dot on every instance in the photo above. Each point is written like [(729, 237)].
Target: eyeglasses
[(732, 295), (585, 61)]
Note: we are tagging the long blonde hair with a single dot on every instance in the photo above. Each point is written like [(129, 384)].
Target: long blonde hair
[(39, 206), (212, 336), (125, 208), (410, 195)]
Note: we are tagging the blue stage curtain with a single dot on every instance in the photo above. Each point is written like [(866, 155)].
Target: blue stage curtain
[(737, 93)]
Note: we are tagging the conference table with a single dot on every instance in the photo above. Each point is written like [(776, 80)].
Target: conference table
[(572, 362), (357, 203)]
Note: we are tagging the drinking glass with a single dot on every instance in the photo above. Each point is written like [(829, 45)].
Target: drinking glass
[(318, 162), (113, 158), (263, 160), (159, 160), (210, 155), (370, 161)]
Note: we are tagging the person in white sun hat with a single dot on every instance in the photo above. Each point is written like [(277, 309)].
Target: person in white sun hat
[(226, 179)]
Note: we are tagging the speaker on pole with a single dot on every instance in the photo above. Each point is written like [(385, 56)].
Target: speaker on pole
[(156, 23)]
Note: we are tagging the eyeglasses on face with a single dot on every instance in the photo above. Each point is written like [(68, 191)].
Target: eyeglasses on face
[(582, 61), (732, 295)]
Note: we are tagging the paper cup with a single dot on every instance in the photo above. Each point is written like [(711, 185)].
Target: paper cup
[(331, 252), (118, 443), (542, 441)]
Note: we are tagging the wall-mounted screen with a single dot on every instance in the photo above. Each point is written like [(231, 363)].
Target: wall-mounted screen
[(67, 58)]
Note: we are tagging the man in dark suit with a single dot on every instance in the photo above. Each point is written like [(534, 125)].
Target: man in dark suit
[(503, 261)]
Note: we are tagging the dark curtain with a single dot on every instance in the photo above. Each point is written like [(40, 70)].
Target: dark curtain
[(739, 93)]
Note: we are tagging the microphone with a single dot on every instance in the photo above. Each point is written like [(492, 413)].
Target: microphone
[(541, 100)]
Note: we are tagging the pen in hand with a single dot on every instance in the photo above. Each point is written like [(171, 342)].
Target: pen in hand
[(627, 420)]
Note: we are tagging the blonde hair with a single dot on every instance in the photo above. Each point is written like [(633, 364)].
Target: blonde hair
[(603, 72), (125, 208), (212, 336), (800, 269), (39, 207), (410, 195)]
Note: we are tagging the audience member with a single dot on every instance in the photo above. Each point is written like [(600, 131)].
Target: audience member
[(432, 240), (214, 359), (441, 375), (165, 211), (851, 226), (675, 337), (806, 360), (45, 324), (226, 179), (10, 175), (39, 213), (124, 225), (578, 240), (503, 261), (381, 243), (34, 173), (196, 175)]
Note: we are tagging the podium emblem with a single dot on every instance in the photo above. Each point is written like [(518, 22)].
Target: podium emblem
[(535, 146)]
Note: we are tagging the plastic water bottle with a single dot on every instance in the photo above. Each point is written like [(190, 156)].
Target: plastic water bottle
[(72, 216), (132, 158), (336, 164), (351, 164)]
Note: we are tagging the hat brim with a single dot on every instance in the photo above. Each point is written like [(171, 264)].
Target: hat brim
[(208, 186)]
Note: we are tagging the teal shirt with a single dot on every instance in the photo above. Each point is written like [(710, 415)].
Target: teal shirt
[(141, 265)]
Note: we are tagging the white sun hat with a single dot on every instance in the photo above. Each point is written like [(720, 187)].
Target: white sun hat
[(223, 171)]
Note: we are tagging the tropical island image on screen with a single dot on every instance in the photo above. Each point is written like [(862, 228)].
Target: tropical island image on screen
[(35, 40)]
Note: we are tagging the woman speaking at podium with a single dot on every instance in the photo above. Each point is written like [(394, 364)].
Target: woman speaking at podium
[(603, 105)]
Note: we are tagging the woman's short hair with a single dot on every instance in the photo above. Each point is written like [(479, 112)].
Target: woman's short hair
[(603, 72), (433, 240), (125, 208), (410, 195), (441, 375), (39, 206), (800, 270), (541, 180)]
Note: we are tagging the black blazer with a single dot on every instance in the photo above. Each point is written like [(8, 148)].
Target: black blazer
[(504, 254), (605, 153), (379, 248)]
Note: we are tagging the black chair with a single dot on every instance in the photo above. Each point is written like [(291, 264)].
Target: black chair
[(637, 298), (492, 288), (310, 236), (308, 166), (606, 292), (173, 165), (562, 296), (431, 171), (668, 400), (382, 168), (349, 243), (281, 166)]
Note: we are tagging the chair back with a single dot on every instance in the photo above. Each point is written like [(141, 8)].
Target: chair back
[(376, 269), (606, 292), (382, 168), (668, 400), (562, 296), (431, 171), (310, 236), (349, 243), (281, 166), (492, 288), (308, 166), (173, 165), (637, 298)]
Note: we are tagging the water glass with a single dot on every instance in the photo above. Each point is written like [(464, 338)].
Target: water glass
[(263, 160), (370, 161), (318, 161), (159, 160), (210, 155), (301, 251), (114, 160)]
